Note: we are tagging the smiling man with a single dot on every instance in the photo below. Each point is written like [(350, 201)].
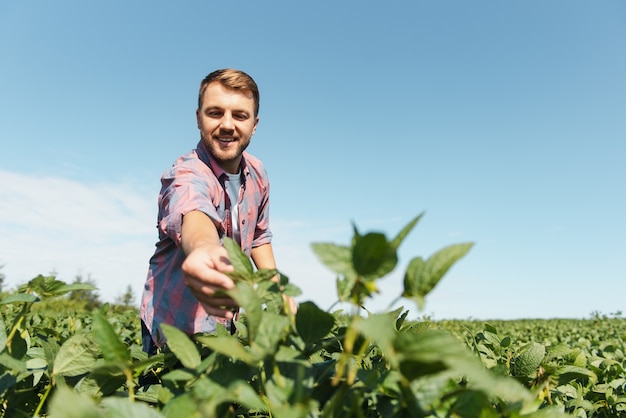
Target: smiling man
[(217, 190)]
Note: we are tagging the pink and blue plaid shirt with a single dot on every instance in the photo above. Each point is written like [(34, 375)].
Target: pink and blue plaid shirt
[(196, 182)]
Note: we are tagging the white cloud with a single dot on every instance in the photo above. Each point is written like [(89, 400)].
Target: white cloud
[(103, 231)]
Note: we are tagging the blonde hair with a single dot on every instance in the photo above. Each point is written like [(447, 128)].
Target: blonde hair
[(232, 79)]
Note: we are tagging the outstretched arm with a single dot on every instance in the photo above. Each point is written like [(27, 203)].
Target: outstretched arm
[(205, 264)]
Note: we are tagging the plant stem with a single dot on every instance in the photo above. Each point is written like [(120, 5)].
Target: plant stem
[(43, 399), (16, 325), (130, 382)]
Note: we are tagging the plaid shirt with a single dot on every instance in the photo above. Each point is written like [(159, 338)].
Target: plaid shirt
[(196, 182)]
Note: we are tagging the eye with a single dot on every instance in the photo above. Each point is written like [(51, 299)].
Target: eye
[(213, 113), (240, 116)]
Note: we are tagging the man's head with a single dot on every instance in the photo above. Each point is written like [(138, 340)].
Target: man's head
[(228, 105), (231, 79)]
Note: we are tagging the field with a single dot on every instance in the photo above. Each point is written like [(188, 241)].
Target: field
[(60, 356), (575, 365)]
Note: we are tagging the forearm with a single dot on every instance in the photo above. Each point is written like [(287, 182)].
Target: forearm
[(198, 230), (263, 257)]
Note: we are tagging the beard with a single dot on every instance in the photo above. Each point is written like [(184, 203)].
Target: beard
[(227, 155)]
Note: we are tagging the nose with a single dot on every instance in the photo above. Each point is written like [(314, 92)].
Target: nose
[(227, 122)]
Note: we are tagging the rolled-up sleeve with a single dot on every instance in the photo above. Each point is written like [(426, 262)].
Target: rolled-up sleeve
[(185, 188)]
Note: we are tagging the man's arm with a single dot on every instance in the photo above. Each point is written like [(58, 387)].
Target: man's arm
[(205, 264), (263, 257)]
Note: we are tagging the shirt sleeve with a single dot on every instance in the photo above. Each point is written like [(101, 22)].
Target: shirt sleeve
[(184, 188), (262, 232)]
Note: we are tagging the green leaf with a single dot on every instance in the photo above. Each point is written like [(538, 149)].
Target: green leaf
[(568, 373), (272, 328), (182, 406), (528, 360), (66, 403), (240, 276), (312, 323), (344, 287), (181, 345), (263, 275), (76, 356), (36, 363), (123, 408), (246, 297), (400, 319), (243, 393), (422, 276), (338, 258), (66, 288), (380, 328), (181, 375), (491, 328), (395, 243), (12, 363), (370, 252), (227, 346), (19, 298), (290, 289), (3, 336), (113, 349), (239, 260), (44, 286), (414, 282), (473, 404), (50, 350), (428, 352), (102, 380)]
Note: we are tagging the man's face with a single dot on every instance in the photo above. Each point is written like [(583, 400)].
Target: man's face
[(227, 123)]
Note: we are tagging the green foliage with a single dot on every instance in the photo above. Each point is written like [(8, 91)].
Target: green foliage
[(311, 363), (578, 366)]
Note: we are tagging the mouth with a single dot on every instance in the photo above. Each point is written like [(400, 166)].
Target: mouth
[(226, 140)]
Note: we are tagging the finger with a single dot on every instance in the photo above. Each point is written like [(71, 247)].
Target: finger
[(205, 292), (210, 283), (222, 263), (212, 296), (219, 312), (219, 302)]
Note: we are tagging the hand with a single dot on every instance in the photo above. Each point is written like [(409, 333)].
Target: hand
[(291, 302), (203, 272)]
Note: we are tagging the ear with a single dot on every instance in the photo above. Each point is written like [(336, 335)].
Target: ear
[(198, 119), (256, 123)]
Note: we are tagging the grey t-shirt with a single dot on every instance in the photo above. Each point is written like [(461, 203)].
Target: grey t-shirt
[(233, 184)]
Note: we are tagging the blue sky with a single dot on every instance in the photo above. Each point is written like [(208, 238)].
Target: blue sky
[(503, 121)]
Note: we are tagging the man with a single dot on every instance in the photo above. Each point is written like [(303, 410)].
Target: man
[(217, 190)]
